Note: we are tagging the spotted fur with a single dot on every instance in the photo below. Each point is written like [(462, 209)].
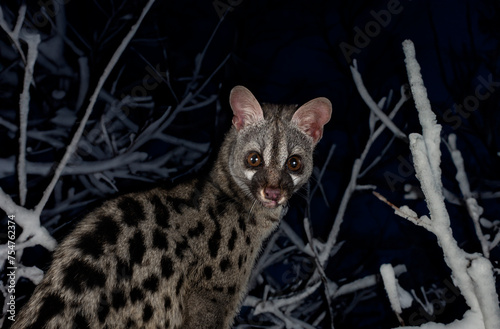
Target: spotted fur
[(181, 257)]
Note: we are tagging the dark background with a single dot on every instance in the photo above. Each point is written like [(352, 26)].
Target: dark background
[(284, 52)]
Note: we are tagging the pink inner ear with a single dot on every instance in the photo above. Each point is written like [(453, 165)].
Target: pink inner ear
[(312, 116), (246, 108), (238, 122)]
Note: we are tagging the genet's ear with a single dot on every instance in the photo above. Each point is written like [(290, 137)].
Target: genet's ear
[(312, 116), (246, 108)]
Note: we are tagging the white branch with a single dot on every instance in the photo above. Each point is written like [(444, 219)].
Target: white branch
[(339, 218), (7, 204), (14, 33), (427, 157), (33, 40), (358, 163), (407, 213), (363, 283), (390, 284), (430, 129), (93, 98), (372, 104), (496, 241), (430, 180), (475, 211), (480, 271), (267, 305)]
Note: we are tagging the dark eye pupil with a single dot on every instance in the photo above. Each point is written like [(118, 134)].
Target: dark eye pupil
[(254, 159), (293, 163)]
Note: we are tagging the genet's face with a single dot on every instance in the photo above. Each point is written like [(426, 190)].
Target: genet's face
[(271, 161)]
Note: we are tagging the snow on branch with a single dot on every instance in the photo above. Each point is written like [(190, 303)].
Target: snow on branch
[(431, 131), (472, 274), (393, 290), (29, 219), (474, 209)]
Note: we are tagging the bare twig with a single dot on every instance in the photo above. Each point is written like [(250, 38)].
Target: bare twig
[(358, 163), (93, 98), (33, 41), (406, 213), (372, 105), (14, 33)]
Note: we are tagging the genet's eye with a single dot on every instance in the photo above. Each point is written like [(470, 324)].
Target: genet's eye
[(294, 163), (254, 159)]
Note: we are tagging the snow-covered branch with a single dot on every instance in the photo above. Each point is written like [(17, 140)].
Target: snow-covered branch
[(33, 234), (431, 131), (474, 209), (472, 274), (393, 290), (426, 157)]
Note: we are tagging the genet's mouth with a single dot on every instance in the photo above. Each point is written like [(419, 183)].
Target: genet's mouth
[(271, 197), (269, 203)]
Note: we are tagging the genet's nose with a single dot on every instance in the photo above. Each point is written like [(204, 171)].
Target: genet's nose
[(272, 193)]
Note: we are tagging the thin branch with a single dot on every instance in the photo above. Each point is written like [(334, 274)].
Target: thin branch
[(276, 303), (166, 119), (199, 90), (339, 218), (426, 158), (496, 241), (473, 207), (372, 104), (406, 213), (93, 98), (404, 97), (358, 163), (390, 285), (430, 129), (199, 61), (14, 33), (33, 41), (323, 169), (363, 283)]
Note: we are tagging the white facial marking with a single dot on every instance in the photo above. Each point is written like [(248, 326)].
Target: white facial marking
[(249, 174)]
